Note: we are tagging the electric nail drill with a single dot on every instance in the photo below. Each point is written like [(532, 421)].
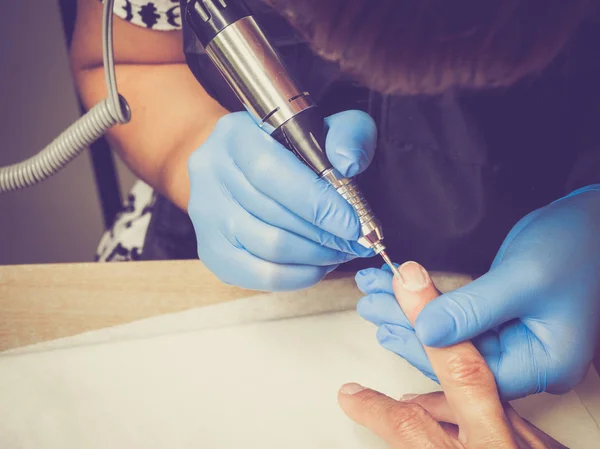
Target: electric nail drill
[(255, 71)]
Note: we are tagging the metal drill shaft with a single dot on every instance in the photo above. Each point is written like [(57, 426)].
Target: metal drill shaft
[(387, 260)]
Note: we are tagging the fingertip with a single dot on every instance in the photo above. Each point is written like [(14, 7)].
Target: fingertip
[(359, 274), (348, 161), (349, 402), (351, 389), (351, 141), (413, 289), (388, 333), (353, 119), (383, 336), (363, 307), (376, 281), (364, 279), (365, 406), (360, 250), (413, 278)]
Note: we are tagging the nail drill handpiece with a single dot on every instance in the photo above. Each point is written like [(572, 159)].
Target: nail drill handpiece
[(254, 70)]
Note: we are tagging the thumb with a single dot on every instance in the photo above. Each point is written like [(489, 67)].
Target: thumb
[(463, 314), (351, 141)]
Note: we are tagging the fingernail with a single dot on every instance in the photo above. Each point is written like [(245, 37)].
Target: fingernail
[(413, 276), (408, 397), (352, 388)]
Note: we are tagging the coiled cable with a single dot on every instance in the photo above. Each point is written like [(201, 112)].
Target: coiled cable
[(77, 137)]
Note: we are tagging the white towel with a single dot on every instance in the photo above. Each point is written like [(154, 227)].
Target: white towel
[(239, 375)]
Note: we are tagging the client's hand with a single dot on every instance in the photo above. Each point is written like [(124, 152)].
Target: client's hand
[(468, 414)]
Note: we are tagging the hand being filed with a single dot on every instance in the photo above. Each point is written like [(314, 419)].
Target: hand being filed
[(467, 415), (535, 316), (263, 219)]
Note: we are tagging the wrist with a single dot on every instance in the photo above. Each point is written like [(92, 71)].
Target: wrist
[(174, 180)]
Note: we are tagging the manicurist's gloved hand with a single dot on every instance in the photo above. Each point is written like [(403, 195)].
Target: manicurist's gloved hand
[(263, 219), (467, 415), (535, 316)]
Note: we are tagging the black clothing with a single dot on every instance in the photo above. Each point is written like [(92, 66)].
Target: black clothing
[(452, 174)]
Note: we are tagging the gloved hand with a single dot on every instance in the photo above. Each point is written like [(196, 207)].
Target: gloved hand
[(263, 219), (467, 414), (535, 316)]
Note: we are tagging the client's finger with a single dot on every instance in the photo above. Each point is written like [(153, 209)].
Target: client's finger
[(529, 434), (436, 405), (467, 381), (401, 425)]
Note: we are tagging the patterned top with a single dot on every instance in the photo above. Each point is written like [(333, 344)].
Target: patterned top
[(162, 15)]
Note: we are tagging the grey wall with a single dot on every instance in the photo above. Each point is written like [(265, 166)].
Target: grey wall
[(58, 220)]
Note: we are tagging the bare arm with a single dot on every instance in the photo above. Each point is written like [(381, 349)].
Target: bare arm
[(171, 113)]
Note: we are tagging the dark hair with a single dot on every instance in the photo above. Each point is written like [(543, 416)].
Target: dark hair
[(429, 46)]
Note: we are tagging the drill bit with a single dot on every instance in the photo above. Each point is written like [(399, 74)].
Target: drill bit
[(387, 260)]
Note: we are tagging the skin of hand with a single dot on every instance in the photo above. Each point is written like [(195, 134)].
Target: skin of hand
[(250, 199), (468, 414), (172, 114), (254, 202), (535, 316)]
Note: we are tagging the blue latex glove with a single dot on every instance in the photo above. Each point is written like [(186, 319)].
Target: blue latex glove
[(264, 220), (535, 316)]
